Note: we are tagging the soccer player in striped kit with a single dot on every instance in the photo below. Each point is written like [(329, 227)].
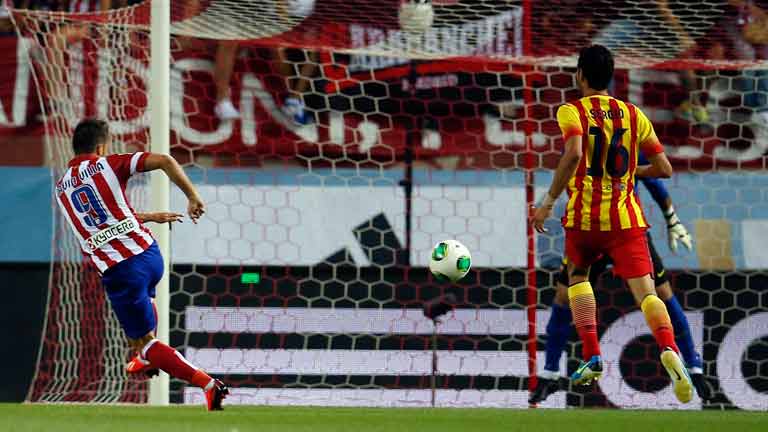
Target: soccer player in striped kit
[(91, 195), (559, 325), (603, 139)]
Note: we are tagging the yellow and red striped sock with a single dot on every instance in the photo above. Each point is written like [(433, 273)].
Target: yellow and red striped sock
[(584, 310), (657, 317)]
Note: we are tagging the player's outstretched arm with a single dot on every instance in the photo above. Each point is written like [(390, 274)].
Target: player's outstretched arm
[(658, 191), (659, 167), (651, 148), (172, 169), (676, 231), (566, 168), (655, 186), (159, 217)]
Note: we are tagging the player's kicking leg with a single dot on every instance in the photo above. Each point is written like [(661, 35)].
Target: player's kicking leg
[(584, 309), (632, 262), (582, 251), (684, 341), (558, 331), (137, 365), (167, 359), (658, 320), (682, 329), (130, 288)]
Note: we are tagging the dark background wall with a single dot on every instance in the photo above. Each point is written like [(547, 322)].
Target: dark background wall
[(724, 300), (22, 312)]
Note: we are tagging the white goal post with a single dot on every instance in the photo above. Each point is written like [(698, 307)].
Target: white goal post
[(159, 132)]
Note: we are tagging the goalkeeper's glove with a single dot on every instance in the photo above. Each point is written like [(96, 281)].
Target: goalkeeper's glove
[(676, 230)]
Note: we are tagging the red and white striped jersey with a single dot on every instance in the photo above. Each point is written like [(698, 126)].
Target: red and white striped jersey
[(91, 195)]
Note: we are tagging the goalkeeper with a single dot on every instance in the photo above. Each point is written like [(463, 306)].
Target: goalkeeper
[(559, 326)]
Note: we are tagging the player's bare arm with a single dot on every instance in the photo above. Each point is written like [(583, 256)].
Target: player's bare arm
[(566, 168), (160, 217), (659, 167), (652, 149), (195, 207)]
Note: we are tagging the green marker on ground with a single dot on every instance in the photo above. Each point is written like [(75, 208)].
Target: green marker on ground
[(250, 278)]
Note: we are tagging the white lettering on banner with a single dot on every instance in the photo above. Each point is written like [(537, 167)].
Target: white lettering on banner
[(369, 135), (336, 127), (20, 89), (116, 69), (178, 114), (431, 139), (495, 134), (129, 68), (70, 99), (252, 91), (389, 398), (729, 358), (430, 82), (487, 36), (616, 337)]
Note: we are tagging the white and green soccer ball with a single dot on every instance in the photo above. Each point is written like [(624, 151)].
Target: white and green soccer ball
[(450, 260)]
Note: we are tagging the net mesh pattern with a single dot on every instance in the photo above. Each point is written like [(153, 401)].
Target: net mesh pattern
[(362, 138)]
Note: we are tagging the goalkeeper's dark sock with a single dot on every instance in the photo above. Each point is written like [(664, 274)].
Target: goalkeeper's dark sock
[(174, 364), (584, 310), (658, 321), (558, 330), (683, 336)]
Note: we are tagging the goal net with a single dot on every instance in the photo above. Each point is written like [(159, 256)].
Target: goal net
[(335, 142)]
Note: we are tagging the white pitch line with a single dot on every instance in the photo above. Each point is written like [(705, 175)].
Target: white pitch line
[(377, 398)]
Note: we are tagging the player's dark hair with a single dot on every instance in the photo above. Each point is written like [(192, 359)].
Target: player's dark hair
[(596, 64), (89, 133)]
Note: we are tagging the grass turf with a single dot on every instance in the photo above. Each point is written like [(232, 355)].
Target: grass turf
[(64, 418)]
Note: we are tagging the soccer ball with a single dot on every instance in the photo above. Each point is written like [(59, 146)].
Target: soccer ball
[(301, 8), (416, 16), (450, 260)]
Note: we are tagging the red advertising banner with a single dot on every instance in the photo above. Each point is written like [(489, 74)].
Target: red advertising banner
[(362, 107)]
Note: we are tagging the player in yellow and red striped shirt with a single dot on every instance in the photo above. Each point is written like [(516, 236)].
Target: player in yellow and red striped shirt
[(603, 138)]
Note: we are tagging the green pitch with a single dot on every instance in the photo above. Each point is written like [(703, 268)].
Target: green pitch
[(60, 418)]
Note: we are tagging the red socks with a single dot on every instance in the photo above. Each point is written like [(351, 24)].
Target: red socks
[(665, 338), (657, 317), (174, 364), (584, 309)]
